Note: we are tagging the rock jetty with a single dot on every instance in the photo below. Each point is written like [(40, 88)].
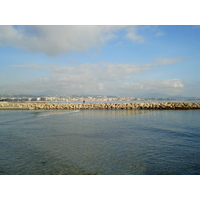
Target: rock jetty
[(100, 106)]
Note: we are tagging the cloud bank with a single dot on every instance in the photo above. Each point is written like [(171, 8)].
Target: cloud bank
[(59, 39), (54, 40), (105, 78)]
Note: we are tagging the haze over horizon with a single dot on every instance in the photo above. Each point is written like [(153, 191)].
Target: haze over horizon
[(138, 61)]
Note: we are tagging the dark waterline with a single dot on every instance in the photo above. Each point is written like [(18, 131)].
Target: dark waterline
[(100, 142)]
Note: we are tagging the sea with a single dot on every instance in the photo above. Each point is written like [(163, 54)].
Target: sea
[(99, 142)]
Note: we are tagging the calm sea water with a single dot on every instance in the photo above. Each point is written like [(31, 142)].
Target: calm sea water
[(100, 142)]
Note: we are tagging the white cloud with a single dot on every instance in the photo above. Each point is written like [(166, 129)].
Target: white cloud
[(159, 34), (107, 78), (169, 87), (133, 36), (101, 86), (167, 61), (32, 66), (77, 86), (53, 40), (87, 76), (113, 69)]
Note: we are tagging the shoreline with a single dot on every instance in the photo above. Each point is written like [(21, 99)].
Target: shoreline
[(100, 106)]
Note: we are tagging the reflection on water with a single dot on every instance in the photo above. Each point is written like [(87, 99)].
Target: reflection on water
[(99, 142), (114, 113)]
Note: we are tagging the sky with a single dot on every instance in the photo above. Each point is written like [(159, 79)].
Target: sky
[(137, 61)]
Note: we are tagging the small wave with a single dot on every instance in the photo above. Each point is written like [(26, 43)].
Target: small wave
[(47, 114), (15, 120), (37, 115)]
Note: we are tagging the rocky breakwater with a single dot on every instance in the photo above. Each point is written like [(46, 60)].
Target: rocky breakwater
[(100, 106)]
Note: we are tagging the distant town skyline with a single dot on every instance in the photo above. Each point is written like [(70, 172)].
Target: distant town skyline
[(138, 61)]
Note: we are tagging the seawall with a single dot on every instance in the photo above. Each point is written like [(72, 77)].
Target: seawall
[(100, 106)]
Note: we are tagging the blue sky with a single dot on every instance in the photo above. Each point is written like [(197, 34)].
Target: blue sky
[(139, 61)]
